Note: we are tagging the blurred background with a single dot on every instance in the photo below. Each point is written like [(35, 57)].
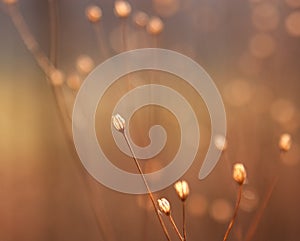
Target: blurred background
[(250, 48)]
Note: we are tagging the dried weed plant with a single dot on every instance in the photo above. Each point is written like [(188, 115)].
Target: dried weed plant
[(154, 26)]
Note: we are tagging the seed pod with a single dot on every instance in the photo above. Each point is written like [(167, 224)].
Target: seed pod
[(118, 122), (239, 173), (93, 13), (182, 189), (122, 9), (164, 206), (285, 142), (155, 26)]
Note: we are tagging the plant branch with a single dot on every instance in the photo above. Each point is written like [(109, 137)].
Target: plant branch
[(147, 186), (238, 201)]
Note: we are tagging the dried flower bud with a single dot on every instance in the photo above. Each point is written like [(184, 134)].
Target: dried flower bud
[(141, 19), (285, 142), (155, 26), (122, 9), (118, 122), (85, 64), (239, 173), (74, 81), (220, 142), (164, 206), (182, 189), (57, 77), (93, 13)]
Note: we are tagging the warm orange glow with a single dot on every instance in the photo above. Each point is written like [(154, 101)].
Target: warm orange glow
[(84, 64), (93, 13), (155, 26), (221, 210), (265, 16), (166, 8), (262, 45), (141, 19), (292, 24)]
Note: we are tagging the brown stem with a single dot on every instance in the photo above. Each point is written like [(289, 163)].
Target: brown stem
[(147, 186), (254, 224), (47, 66), (175, 227), (104, 52), (53, 15), (238, 200), (124, 34), (183, 221)]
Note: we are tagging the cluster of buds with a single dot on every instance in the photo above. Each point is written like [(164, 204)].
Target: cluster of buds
[(239, 173)]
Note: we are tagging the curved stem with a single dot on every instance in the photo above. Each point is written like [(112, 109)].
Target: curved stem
[(47, 67), (254, 224), (175, 227), (238, 201), (147, 186)]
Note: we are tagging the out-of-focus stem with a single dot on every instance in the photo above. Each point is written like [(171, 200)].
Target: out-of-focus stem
[(238, 201), (254, 224), (147, 186), (54, 22), (175, 227), (266, 199), (47, 67), (104, 52), (30, 42), (124, 33)]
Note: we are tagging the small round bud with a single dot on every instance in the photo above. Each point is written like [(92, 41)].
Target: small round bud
[(57, 77), (220, 142), (182, 189), (141, 19), (93, 13), (155, 26), (85, 64), (122, 9), (285, 142), (74, 81), (164, 206), (118, 122), (239, 173)]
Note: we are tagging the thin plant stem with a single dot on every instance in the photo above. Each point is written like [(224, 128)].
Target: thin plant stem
[(175, 227), (183, 221), (54, 22), (147, 186), (238, 201), (267, 197), (47, 66), (103, 48), (28, 39), (254, 224), (124, 34)]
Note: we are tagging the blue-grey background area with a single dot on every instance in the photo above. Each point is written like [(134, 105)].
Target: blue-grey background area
[(45, 193)]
